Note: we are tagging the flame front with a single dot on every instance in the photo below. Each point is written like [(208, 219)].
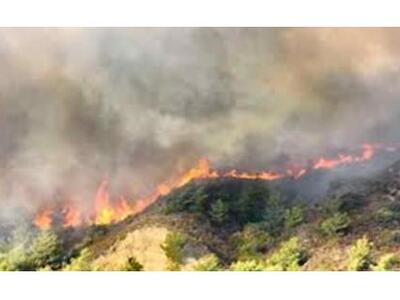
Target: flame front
[(368, 151), (72, 216), (107, 211), (44, 219)]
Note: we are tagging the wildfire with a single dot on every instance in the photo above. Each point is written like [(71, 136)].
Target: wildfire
[(107, 211), (263, 175), (72, 216), (43, 219), (368, 151)]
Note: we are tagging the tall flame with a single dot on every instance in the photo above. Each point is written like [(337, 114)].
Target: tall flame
[(72, 216), (107, 211)]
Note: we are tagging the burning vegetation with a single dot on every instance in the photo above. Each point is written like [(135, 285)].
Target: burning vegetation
[(240, 149), (107, 210), (211, 220)]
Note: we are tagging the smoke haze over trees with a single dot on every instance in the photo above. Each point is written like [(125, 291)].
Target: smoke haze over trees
[(135, 105)]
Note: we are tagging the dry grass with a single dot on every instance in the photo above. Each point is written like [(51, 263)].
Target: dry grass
[(328, 258), (144, 244)]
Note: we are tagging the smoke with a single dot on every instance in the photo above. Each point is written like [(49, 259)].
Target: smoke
[(135, 105)]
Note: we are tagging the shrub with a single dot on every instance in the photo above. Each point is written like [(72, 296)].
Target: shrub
[(3, 262), (173, 266), (247, 265), (350, 202), (386, 215), (294, 216), (289, 257), (250, 242), (133, 265), (395, 237), (14, 254), (338, 224), (360, 256), (16, 259), (208, 263), (82, 262), (173, 249), (187, 199), (388, 262), (46, 268)]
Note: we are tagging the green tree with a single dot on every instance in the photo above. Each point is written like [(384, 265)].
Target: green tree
[(219, 212), (198, 201), (338, 224), (360, 256), (45, 248), (173, 249), (15, 255), (294, 216), (274, 215), (290, 257), (251, 242)]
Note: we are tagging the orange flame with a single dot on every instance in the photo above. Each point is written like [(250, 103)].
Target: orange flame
[(244, 175), (107, 211), (43, 219), (201, 170), (72, 217), (342, 159)]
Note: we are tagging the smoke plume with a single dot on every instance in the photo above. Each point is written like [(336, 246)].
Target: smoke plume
[(136, 105)]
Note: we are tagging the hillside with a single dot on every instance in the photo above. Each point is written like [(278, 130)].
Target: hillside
[(234, 224)]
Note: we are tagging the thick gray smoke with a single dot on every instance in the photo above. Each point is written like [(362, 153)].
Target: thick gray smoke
[(135, 105)]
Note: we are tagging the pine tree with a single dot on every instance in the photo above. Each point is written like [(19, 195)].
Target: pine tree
[(219, 212), (44, 249)]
